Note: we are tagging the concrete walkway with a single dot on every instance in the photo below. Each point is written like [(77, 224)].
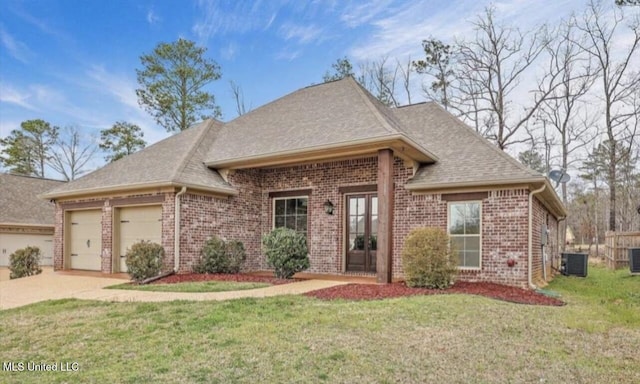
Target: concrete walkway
[(53, 286)]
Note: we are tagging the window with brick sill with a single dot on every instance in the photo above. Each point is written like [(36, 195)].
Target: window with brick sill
[(465, 228), (291, 212)]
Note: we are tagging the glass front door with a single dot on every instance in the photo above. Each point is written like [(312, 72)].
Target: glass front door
[(362, 232)]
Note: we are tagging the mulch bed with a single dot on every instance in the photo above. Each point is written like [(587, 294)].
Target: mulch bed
[(380, 291), (242, 278), (384, 291)]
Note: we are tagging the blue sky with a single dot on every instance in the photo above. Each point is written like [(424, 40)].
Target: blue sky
[(72, 62)]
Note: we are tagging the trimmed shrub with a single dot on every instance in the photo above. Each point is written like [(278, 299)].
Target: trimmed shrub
[(144, 260), (24, 262), (428, 260), (218, 256), (286, 252)]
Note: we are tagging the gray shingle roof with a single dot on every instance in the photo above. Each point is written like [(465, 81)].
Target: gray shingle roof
[(464, 156), (177, 160), (316, 116), (19, 202), (332, 114)]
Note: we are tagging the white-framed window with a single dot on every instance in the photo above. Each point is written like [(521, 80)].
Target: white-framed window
[(291, 212), (465, 229)]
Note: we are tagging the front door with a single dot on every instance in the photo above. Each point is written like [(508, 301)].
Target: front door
[(362, 231)]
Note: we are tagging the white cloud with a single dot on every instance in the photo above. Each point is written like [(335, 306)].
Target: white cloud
[(229, 52), (303, 34), (152, 17), (271, 20), (216, 19), (398, 31), (17, 49), (362, 13), (11, 95), (288, 55), (120, 87)]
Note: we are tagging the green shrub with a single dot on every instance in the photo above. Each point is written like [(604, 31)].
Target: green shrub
[(218, 256), (24, 262), (286, 252), (144, 260), (428, 260)]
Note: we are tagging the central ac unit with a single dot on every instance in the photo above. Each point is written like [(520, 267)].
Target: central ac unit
[(634, 260), (574, 264)]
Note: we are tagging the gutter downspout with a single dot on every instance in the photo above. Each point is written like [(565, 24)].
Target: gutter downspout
[(176, 231), (564, 243), (530, 261)]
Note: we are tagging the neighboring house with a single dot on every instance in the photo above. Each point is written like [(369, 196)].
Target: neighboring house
[(25, 220), (328, 160)]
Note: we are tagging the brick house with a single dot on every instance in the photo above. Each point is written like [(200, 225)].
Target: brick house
[(328, 160)]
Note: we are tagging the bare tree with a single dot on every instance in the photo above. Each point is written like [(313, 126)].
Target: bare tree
[(386, 80), (490, 68), (619, 82), (238, 96), (405, 74), (380, 80), (71, 154), (564, 110)]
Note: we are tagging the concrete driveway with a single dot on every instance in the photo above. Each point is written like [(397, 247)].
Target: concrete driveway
[(47, 286), (4, 273), (51, 285)]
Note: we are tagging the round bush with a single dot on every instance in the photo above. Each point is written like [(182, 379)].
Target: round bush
[(428, 260), (144, 260), (286, 252), (24, 262), (218, 256)]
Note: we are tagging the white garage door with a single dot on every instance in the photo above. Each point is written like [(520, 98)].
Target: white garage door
[(10, 242), (135, 224), (85, 240)]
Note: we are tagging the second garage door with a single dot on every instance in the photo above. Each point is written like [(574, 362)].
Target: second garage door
[(11, 242), (135, 224), (85, 240)]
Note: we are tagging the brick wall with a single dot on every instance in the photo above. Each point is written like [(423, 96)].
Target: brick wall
[(230, 218), (247, 216), (504, 232), (550, 252), (58, 236)]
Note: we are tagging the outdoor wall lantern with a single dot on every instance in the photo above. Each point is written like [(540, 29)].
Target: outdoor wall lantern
[(328, 207)]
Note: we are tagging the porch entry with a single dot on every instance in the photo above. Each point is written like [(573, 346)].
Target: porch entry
[(362, 232)]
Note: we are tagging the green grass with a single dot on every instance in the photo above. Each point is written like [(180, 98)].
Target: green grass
[(612, 297), (421, 339), (201, 286)]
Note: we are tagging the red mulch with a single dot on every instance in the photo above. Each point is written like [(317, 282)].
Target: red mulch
[(194, 277), (383, 291), (380, 291)]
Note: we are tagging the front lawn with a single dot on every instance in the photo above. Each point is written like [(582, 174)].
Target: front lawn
[(419, 339), (203, 286)]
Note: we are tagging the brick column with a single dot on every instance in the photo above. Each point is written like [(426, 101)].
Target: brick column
[(385, 215)]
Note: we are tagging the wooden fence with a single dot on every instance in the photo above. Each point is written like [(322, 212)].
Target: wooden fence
[(617, 246)]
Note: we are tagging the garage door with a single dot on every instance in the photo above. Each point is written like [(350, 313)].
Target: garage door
[(136, 224), (10, 242), (85, 241)]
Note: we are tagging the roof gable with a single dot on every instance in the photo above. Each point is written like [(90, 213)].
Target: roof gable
[(465, 156), (175, 160), (19, 202), (322, 116)]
